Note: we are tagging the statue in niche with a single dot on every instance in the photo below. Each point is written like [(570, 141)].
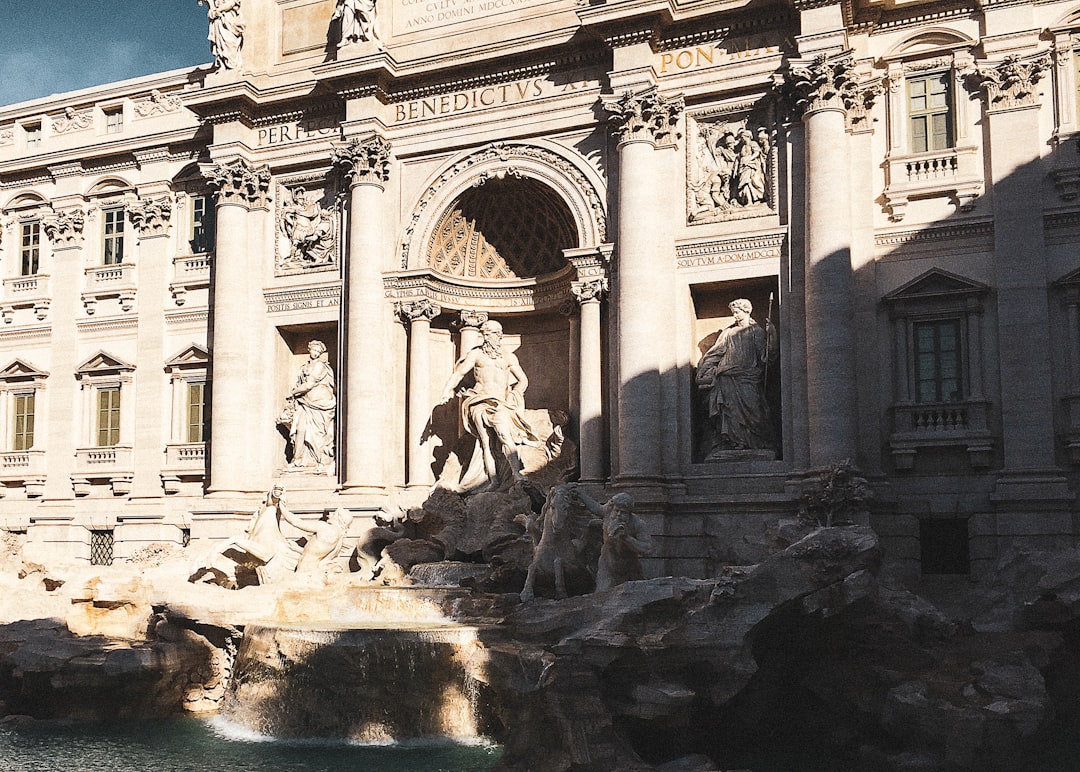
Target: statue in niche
[(625, 540), (729, 171), (309, 412), (357, 22), (732, 374), (493, 409), (226, 31), (309, 229)]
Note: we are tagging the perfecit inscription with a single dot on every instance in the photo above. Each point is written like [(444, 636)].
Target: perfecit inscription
[(298, 131)]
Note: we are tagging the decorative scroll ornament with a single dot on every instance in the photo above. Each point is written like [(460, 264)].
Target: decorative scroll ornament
[(156, 104), (365, 160), (64, 228), (7, 135), (151, 216), (590, 290), (647, 116), (468, 318), (238, 182), (823, 84), (414, 310), (72, 121), (1011, 82)]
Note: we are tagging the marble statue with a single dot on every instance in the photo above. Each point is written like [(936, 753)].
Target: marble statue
[(750, 179), (357, 19), (309, 229), (625, 540), (324, 542), (309, 411), (729, 171), (732, 373), (559, 541), (226, 32), (493, 409)]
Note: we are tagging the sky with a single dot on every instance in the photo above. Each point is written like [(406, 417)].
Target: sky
[(52, 46)]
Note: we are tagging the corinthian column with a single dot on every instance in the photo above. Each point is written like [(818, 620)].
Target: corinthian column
[(418, 315), (641, 122), (241, 188), (819, 90), (590, 391), (368, 389)]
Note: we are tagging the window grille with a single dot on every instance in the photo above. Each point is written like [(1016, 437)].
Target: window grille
[(101, 548)]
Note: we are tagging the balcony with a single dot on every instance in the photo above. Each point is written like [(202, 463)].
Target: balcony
[(956, 172), (941, 424), (26, 467), (191, 272), (109, 281), (114, 463), (183, 460)]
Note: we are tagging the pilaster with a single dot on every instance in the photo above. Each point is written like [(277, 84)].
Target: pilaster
[(417, 316)]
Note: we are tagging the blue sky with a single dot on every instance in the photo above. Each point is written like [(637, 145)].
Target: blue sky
[(51, 46)]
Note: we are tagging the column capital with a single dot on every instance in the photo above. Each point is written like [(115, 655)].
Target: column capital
[(1010, 83), (64, 228), (590, 290), (366, 160), (647, 116), (238, 182), (468, 318), (151, 216), (409, 311), (822, 83)]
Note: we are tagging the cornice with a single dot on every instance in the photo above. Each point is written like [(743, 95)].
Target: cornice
[(978, 229), (765, 246), (108, 325)]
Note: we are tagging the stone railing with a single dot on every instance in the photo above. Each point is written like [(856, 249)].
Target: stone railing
[(110, 276), (941, 424), (21, 464), (103, 462), (19, 287), (955, 172), (186, 457), (191, 272)]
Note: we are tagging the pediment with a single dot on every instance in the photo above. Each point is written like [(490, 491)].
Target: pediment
[(103, 362), (937, 283), (193, 356), (20, 369), (928, 42)]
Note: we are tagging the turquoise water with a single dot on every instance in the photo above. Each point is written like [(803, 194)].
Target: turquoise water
[(194, 745)]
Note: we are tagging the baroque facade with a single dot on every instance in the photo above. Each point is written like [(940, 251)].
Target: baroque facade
[(893, 186)]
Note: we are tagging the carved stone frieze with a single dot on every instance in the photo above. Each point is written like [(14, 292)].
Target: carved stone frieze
[(590, 290), (7, 135), (730, 168), (1011, 83), (409, 311), (72, 120), (825, 83), (238, 182), (157, 104), (645, 117), (307, 227), (364, 160), (64, 228), (151, 216)]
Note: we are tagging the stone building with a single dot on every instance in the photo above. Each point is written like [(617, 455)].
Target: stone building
[(892, 184)]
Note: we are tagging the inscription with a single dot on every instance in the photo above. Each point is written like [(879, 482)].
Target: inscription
[(300, 131), (708, 56), (422, 15), (483, 97), (300, 305)]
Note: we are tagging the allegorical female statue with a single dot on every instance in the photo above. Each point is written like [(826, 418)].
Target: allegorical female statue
[(226, 31), (309, 411), (357, 19)]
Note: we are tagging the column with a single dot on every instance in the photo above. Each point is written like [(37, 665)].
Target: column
[(150, 215), (368, 390), (641, 122), (469, 323), (417, 315), (241, 187), (590, 391), (818, 90)]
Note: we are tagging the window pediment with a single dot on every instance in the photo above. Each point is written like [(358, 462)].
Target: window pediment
[(103, 363), (19, 370), (194, 356), (936, 284)]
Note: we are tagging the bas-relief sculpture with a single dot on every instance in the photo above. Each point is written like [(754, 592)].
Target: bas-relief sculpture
[(307, 230), (729, 171), (309, 412), (72, 120), (357, 22), (492, 409), (732, 375), (226, 34)]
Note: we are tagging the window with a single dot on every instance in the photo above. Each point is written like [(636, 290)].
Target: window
[(33, 135), (929, 113), (108, 417), (114, 236), (29, 249), (24, 422), (937, 361), (114, 121), (196, 426), (101, 548), (202, 224)]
